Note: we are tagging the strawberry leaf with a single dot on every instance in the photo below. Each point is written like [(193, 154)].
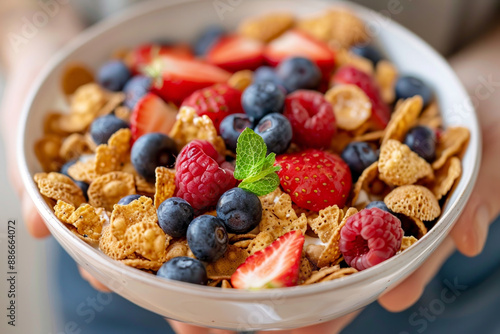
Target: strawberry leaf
[(256, 170)]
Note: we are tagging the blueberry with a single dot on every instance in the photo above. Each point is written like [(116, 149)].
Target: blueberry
[(367, 51), (358, 156), (153, 150), (102, 128), (409, 86), (231, 127), (66, 166), (262, 98), (84, 186), (422, 140), (174, 216), (113, 75), (298, 73), (184, 269), (135, 89), (128, 199), (208, 39), (240, 210), (276, 131), (267, 73), (207, 238), (379, 205)]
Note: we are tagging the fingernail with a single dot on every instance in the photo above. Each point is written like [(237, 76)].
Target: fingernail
[(483, 218)]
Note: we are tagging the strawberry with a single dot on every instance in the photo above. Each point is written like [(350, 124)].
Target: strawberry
[(273, 267), (312, 118), (151, 114), (143, 54), (202, 175), (216, 102), (235, 53), (295, 43), (381, 114), (176, 78), (315, 179)]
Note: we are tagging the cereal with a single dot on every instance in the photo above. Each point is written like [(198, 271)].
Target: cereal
[(414, 201), (144, 187), (226, 284), (59, 187), (88, 99), (370, 136), (261, 241), (420, 226), (318, 275), (73, 147), (51, 124), (338, 274), (313, 253), (142, 264), (326, 223), (266, 27), (340, 28), (241, 79), (74, 76), (331, 254), (399, 165), (114, 100), (165, 185), (123, 113), (227, 264), (450, 143), (86, 219), (148, 240), (446, 177), (305, 269), (407, 242), (190, 126), (112, 247), (404, 117), (386, 75), (108, 189), (112, 156), (282, 218), (368, 175), (47, 152), (63, 211), (431, 117), (344, 57), (83, 171), (351, 106)]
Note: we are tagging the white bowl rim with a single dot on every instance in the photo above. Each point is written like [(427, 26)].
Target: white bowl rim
[(449, 217)]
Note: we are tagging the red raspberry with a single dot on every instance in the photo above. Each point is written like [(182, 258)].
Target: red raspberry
[(311, 117), (216, 102), (202, 175), (369, 237), (315, 179)]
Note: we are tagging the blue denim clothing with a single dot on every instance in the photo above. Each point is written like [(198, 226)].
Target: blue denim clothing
[(463, 298)]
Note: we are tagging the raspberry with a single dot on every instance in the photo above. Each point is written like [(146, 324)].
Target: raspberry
[(202, 175), (369, 237), (311, 117)]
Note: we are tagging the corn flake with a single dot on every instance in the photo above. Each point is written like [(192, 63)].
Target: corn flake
[(351, 106), (59, 187)]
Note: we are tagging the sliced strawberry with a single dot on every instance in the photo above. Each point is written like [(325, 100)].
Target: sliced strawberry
[(176, 79), (295, 43), (151, 114), (217, 102), (235, 53), (273, 267), (381, 113), (143, 54)]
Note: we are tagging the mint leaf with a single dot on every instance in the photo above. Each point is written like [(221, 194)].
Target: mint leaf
[(250, 154), (253, 167), (263, 186)]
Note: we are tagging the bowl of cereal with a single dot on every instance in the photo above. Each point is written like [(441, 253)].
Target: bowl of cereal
[(283, 169)]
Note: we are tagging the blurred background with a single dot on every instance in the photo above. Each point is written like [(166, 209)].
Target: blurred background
[(448, 25)]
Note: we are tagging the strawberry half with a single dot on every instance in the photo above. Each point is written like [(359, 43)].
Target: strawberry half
[(295, 43), (276, 266), (381, 114), (151, 114), (315, 179), (216, 102), (143, 54), (176, 78), (235, 53)]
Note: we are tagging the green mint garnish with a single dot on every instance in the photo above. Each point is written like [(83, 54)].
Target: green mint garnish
[(253, 167)]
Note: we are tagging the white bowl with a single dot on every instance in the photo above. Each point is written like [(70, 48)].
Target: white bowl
[(234, 309)]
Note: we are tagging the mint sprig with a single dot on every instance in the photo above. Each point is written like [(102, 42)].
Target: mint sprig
[(255, 170)]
